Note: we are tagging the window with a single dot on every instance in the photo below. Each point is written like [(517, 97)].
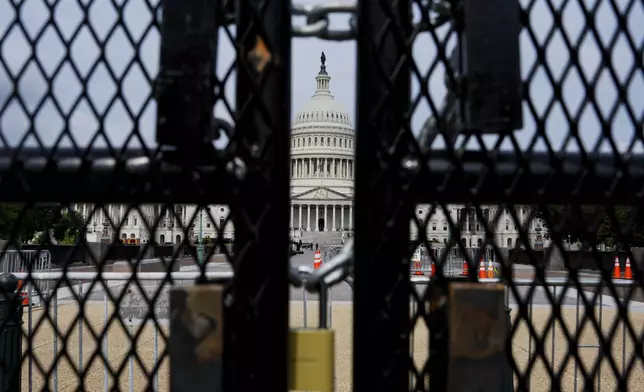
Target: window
[(136, 221), (434, 225), (507, 224), (334, 142), (126, 221), (445, 225), (208, 225), (315, 141)]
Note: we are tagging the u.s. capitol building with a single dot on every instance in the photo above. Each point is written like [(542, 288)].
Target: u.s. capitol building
[(322, 191)]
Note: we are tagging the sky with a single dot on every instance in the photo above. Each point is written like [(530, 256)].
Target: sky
[(112, 102)]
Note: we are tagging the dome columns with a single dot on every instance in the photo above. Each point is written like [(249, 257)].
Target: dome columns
[(322, 167)]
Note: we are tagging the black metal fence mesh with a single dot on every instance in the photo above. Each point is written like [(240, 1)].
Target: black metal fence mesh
[(77, 120), (560, 196), (85, 183)]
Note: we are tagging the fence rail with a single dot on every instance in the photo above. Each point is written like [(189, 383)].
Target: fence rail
[(119, 281)]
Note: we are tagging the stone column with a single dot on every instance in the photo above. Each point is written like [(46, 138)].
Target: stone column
[(317, 215), (325, 219), (308, 221), (291, 216), (300, 217), (351, 217), (342, 217), (333, 228)]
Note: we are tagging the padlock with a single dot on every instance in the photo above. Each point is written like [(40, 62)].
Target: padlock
[(196, 337), (312, 355)]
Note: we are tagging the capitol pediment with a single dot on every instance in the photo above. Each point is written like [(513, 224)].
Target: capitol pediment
[(321, 193)]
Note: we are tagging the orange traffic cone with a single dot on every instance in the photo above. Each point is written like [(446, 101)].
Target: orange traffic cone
[(616, 271), (628, 273), (23, 291), (417, 268), (317, 260), (466, 268), (482, 273), (490, 269)]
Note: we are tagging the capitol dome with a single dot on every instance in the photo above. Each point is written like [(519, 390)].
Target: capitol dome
[(322, 109), (322, 161)]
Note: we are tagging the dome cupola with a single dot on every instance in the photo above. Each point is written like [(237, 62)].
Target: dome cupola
[(322, 107)]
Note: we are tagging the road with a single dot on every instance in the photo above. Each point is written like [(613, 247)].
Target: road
[(343, 292)]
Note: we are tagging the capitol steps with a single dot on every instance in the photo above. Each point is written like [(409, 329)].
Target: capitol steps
[(322, 237)]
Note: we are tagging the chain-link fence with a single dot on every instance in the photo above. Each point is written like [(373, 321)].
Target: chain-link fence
[(529, 141), (533, 144)]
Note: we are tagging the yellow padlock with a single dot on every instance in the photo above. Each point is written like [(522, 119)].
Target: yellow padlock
[(311, 360)]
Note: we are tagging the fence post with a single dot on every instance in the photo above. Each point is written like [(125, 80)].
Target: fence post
[(508, 376), (10, 334)]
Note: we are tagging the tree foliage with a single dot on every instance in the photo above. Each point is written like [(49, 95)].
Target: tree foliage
[(22, 224), (593, 225)]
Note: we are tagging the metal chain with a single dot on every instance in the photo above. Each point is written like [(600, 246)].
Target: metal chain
[(318, 24), (318, 17)]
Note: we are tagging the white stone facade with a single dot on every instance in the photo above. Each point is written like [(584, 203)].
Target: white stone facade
[(136, 222), (473, 232), (322, 163)]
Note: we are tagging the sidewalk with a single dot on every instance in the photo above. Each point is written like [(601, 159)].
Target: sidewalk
[(527, 272)]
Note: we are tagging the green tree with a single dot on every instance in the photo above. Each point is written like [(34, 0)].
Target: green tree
[(67, 228), (593, 225), (21, 223)]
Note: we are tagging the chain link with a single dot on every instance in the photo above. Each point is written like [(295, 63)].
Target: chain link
[(318, 17), (317, 20)]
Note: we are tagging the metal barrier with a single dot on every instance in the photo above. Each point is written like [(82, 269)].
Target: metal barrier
[(12, 261), (330, 251), (119, 281), (16, 261)]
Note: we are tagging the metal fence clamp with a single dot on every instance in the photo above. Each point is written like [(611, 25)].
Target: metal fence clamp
[(185, 85)]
